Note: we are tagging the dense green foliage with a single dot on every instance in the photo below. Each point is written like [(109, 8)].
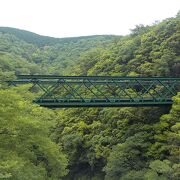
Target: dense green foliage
[(151, 153), (89, 143), (58, 58), (26, 150), (148, 51)]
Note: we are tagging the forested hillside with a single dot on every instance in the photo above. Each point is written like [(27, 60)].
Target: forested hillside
[(139, 143), (22, 52)]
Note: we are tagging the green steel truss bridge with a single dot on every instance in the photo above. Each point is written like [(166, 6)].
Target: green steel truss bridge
[(100, 91)]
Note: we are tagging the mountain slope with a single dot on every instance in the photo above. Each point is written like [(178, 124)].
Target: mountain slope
[(48, 55), (40, 40)]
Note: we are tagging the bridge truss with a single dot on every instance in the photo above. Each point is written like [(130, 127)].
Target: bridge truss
[(100, 91)]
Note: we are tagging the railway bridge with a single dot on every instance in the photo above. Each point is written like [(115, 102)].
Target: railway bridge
[(100, 91)]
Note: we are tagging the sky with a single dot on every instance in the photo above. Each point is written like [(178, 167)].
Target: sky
[(70, 18)]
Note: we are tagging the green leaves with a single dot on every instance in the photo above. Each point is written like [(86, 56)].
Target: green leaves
[(26, 151)]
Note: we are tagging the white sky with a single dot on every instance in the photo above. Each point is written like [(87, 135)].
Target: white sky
[(67, 18)]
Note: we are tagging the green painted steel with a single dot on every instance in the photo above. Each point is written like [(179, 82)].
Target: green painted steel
[(101, 91)]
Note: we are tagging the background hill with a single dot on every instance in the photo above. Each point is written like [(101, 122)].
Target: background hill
[(40, 40), (35, 54)]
